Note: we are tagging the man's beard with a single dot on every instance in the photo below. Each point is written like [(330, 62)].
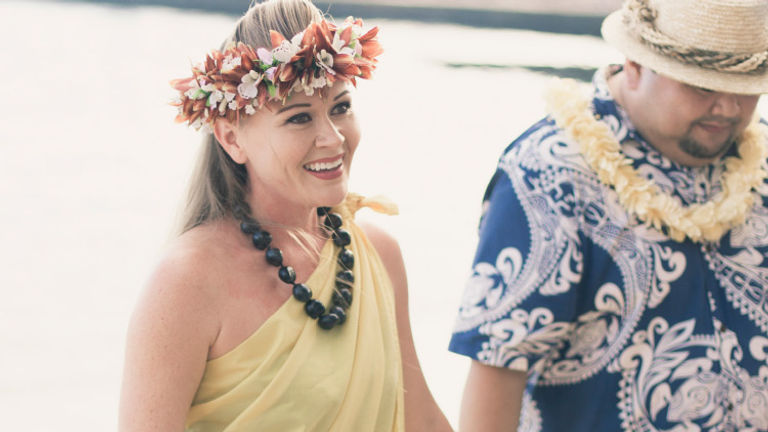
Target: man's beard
[(692, 147)]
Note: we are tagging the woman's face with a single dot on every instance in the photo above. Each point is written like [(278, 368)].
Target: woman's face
[(298, 154)]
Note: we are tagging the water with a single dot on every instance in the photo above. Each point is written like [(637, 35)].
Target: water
[(92, 170)]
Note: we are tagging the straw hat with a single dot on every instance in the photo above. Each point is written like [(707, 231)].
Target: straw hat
[(720, 45)]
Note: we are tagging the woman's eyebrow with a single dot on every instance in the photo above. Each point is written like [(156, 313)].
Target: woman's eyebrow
[(286, 108), (341, 94)]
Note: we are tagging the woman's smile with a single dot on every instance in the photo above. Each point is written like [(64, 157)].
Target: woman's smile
[(326, 168)]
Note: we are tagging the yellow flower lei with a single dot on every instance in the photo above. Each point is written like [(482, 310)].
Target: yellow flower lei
[(570, 109)]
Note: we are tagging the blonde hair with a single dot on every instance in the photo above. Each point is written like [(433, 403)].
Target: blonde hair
[(218, 185)]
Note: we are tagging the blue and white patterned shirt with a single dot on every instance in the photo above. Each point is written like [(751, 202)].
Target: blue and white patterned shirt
[(619, 327)]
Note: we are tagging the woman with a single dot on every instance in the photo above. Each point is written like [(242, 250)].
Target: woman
[(316, 336)]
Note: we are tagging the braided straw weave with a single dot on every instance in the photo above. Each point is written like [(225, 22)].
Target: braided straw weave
[(641, 17), (721, 45)]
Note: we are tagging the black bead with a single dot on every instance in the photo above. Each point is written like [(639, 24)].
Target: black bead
[(333, 221), (274, 256), (261, 239), (347, 294), (338, 300), (249, 227), (341, 238), (326, 322), (347, 258), (346, 276), (287, 274), (340, 284), (302, 293), (314, 308), (339, 312), (342, 297)]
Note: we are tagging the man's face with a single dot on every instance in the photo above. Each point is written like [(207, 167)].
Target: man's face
[(691, 125)]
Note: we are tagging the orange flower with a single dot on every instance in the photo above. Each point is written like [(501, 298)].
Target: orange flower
[(238, 79)]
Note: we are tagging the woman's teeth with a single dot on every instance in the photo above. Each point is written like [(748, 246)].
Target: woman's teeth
[(323, 166)]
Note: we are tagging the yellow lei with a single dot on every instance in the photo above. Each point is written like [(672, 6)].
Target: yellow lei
[(641, 197)]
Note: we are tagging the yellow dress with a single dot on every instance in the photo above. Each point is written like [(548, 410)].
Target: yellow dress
[(291, 375)]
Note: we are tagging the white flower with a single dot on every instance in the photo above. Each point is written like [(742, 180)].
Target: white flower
[(296, 39), (230, 63), (319, 82), (248, 90), (338, 43), (229, 96), (325, 60), (250, 110), (350, 47), (232, 105), (285, 52), (264, 55), (195, 92), (214, 98), (249, 87), (302, 85)]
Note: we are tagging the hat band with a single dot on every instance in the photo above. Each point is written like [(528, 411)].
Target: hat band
[(640, 17)]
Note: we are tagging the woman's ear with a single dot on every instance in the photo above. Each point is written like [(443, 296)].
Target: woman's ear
[(227, 135)]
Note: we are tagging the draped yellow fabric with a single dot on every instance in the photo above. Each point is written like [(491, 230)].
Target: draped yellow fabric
[(290, 375)]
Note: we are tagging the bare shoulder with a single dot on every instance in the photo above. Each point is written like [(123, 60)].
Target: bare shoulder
[(181, 292), (389, 250), (384, 242), (170, 334)]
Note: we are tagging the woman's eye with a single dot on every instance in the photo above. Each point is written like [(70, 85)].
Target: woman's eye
[(341, 108), (299, 118)]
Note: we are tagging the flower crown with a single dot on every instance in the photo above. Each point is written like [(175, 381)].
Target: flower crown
[(243, 79)]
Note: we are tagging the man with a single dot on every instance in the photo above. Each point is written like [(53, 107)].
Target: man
[(621, 277)]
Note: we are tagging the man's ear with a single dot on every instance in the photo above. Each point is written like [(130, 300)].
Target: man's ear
[(633, 72), (227, 134)]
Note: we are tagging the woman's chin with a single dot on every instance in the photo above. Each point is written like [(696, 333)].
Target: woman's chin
[(333, 198)]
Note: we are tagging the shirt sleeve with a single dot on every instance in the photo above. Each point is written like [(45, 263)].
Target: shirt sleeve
[(520, 301)]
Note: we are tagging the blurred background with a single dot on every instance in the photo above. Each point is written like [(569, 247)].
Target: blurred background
[(93, 169)]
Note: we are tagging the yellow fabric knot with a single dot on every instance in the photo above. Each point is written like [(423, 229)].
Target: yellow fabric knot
[(378, 203)]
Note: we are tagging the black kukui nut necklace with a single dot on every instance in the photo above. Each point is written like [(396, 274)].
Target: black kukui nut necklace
[(342, 296)]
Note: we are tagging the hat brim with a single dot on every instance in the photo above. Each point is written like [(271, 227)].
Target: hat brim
[(615, 33)]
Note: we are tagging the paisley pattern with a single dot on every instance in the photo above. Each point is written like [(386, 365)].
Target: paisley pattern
[(620, 327)]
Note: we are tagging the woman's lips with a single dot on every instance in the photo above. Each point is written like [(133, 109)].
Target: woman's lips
[(326, 168)]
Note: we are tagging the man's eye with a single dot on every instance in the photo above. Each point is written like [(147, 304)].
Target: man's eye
[(341, 108), (299, 118)]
